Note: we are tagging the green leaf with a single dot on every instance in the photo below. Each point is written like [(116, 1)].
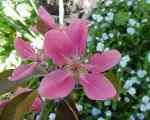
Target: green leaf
[(117, 83), (24, 106), (121, 18), (67, 110), (46, 107), (5, 84), (20, 104)]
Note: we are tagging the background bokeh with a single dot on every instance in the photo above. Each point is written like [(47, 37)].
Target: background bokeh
[(115, 24)]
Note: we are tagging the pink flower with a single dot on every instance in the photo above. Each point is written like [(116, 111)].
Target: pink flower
[(36, 105), (3, 103), (46, 21), (66, 46), (25, 50), (46, 18)]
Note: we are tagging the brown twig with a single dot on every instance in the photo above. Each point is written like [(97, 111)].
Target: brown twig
[(74, 113)]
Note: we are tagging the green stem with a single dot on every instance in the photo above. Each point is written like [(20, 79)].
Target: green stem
[(45, 110), (34, 6)]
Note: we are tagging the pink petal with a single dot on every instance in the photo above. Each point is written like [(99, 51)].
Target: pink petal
[(97, 87), (24, 49), (56, 84), (78, 33), (105, 61), (36, 105), (57, 46), (21, 90), (46, 18), (22, 72), (3, 103)]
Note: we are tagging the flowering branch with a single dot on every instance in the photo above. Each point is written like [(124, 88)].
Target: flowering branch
[(61, 12)]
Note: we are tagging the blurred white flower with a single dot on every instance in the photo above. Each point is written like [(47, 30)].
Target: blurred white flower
[(98, 39), (107, 103), (104, 36), (144, 20), (79, 107), (130, 3), (108, 113), (132, 72), (132, 91), (101, 118), (121, 0), (126, 99), (109, 17), (143, 107), (100, 18), (103, 9), (9, 9), (141, 116), (148, 57), (129, 13), (95, 27), (145, 99), (37, 43), (37, 117), (106, 49), (141, 73), (2, 67), (147, 79), (147, 1), (12, 61), (132, 117), (128, 84), (111, 35), (23, 10), (108, 2), (124, 60), (94, 16), (130, 30), (100, 47), (132, 22), (97, 18), (148, 106), (95, 111), (135, 80), (137, 24), (52, 116)]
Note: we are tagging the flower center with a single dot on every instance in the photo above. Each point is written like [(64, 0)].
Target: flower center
[(76, 68)]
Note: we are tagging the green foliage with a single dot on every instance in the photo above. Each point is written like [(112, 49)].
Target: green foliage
[(17, 107), (121, 18), (122, 25)]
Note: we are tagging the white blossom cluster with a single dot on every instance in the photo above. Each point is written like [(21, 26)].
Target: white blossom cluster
[(11, 62), (20, 12), (124, 61), (129, 85), (145, 104)]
